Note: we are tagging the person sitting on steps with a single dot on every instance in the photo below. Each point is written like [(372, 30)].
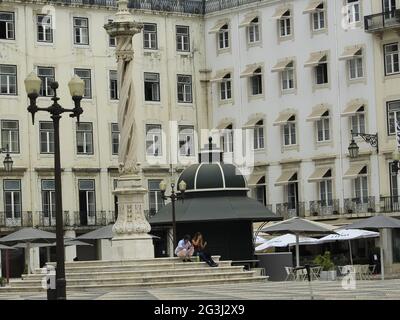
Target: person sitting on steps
[(199, 246), (185, 249)]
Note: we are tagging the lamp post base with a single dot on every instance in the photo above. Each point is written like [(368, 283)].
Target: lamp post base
[(131, 239)]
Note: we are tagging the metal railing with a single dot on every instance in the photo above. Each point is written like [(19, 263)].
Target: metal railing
[(359, 205), (380, 21), (289, 211), (16, 219), (390, 204), (82, 219), (45, 219), (324, 208), (199, 7)]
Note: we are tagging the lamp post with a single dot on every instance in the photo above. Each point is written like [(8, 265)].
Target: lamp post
[(174, 196), (372, 139), (8, 161), (76, 87)]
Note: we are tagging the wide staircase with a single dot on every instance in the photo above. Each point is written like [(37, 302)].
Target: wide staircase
[(130, 274)]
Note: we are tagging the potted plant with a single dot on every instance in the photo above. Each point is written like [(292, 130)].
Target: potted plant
[(3, 282), (328, 272)]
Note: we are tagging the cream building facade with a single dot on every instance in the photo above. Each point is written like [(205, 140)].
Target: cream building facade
[(59, 40)]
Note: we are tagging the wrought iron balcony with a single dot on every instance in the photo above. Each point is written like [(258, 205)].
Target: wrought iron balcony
[(287, 210), (390, 204), (199, 7), (92, 218), (324, 208), (10, 219), (382, 21), (47, 219), (359, 205)]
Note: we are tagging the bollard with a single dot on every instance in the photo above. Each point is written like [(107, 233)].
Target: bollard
[(49, 282)]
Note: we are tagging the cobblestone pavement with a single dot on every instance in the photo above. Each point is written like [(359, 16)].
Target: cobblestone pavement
[(369, 290)]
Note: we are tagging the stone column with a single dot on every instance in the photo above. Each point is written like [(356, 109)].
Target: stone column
[(131, 239), (70, 251)]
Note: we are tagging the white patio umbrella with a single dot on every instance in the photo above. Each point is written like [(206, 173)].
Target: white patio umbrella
[(284, 241), (298, 226), (259, 240), (348, 235), (378, 222)]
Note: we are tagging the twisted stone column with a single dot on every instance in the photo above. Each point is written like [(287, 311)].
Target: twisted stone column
[(131, 239)]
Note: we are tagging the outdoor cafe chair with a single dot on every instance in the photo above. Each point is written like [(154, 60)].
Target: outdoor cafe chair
[(315, 272), (301, 274), (371, 271), (290, 275)]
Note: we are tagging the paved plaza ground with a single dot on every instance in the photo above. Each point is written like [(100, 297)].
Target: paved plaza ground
[(365, 290)]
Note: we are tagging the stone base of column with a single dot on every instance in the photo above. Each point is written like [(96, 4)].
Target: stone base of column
[(133, 247), (131, 239)]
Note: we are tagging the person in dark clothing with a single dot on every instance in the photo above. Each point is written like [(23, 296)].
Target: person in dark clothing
[(199, 246)]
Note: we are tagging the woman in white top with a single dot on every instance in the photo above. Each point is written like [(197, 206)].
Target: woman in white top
[(185, 248)]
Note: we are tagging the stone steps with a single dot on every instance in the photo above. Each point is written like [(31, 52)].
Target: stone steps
[(131, 267), (130, 273), (146, 273), (159, 284), (84, 282)]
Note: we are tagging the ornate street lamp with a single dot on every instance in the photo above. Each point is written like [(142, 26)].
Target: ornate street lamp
[(174, 196), (372, 139), (396, 161), (76, 87), (8, 161)]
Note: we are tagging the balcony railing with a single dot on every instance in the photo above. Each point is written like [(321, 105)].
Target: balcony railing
[(16, 219), (390, 204), (45, 219), (180, 6), (324, 208), (359, 205), (381, 21), (287, 210), (82, 219)]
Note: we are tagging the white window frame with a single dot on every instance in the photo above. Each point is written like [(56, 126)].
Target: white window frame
[(16, 206), (253, 31), (155, 86), (323, 62), (48, 135), (356, 67), (358, 123), (321, 128), (182, 39), (45, 23), (353, 10), (154, 140), (113, 84), (318, 19), (392, 115), (184, 88), (186, 141), (223, 37), (86, 76), (285, 25), (256, 82), (8, 80), (47, 79), (227, 139), (82, 30), (290, 127), (326, 192), (115, 138), (150, 36), (226, 88), (87, 139), (359, 188), (259, 140), (11, 135), (287, 78), (391, 58), (9, 25), (157, 195)]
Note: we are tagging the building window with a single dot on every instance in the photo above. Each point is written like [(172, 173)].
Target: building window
[(392, 58), (325, 192), (259, 135), (7, 25), (151, 86), (285, 24), (155, 200), (223, 37), (49, 201), (227, 139), (393, 115), (85, 75), (287, 76), (260, 191), (184, 89), (289, 132), (150, 36), (81, 31), (361, 187), (353, 11), (256, 82), (153, 140), (321, 72), (253, 31), (186, 141), (112, 41), (10, 135), (84, 138), (47, 75), (87, 202), (115, 136), (12, 199), (226, 87), (114, 85), (318, 18), (182, 38), (356, 68), (8, 79), (358, 122), (44, 28), (323, 130), (46, 136)]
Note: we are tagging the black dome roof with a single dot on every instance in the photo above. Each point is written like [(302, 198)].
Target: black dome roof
[(212, 177)]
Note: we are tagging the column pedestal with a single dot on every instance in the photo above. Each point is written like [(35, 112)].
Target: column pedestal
[(131, 240)]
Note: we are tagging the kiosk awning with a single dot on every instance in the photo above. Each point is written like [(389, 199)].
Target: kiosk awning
[(283, 118), (353, 108)]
